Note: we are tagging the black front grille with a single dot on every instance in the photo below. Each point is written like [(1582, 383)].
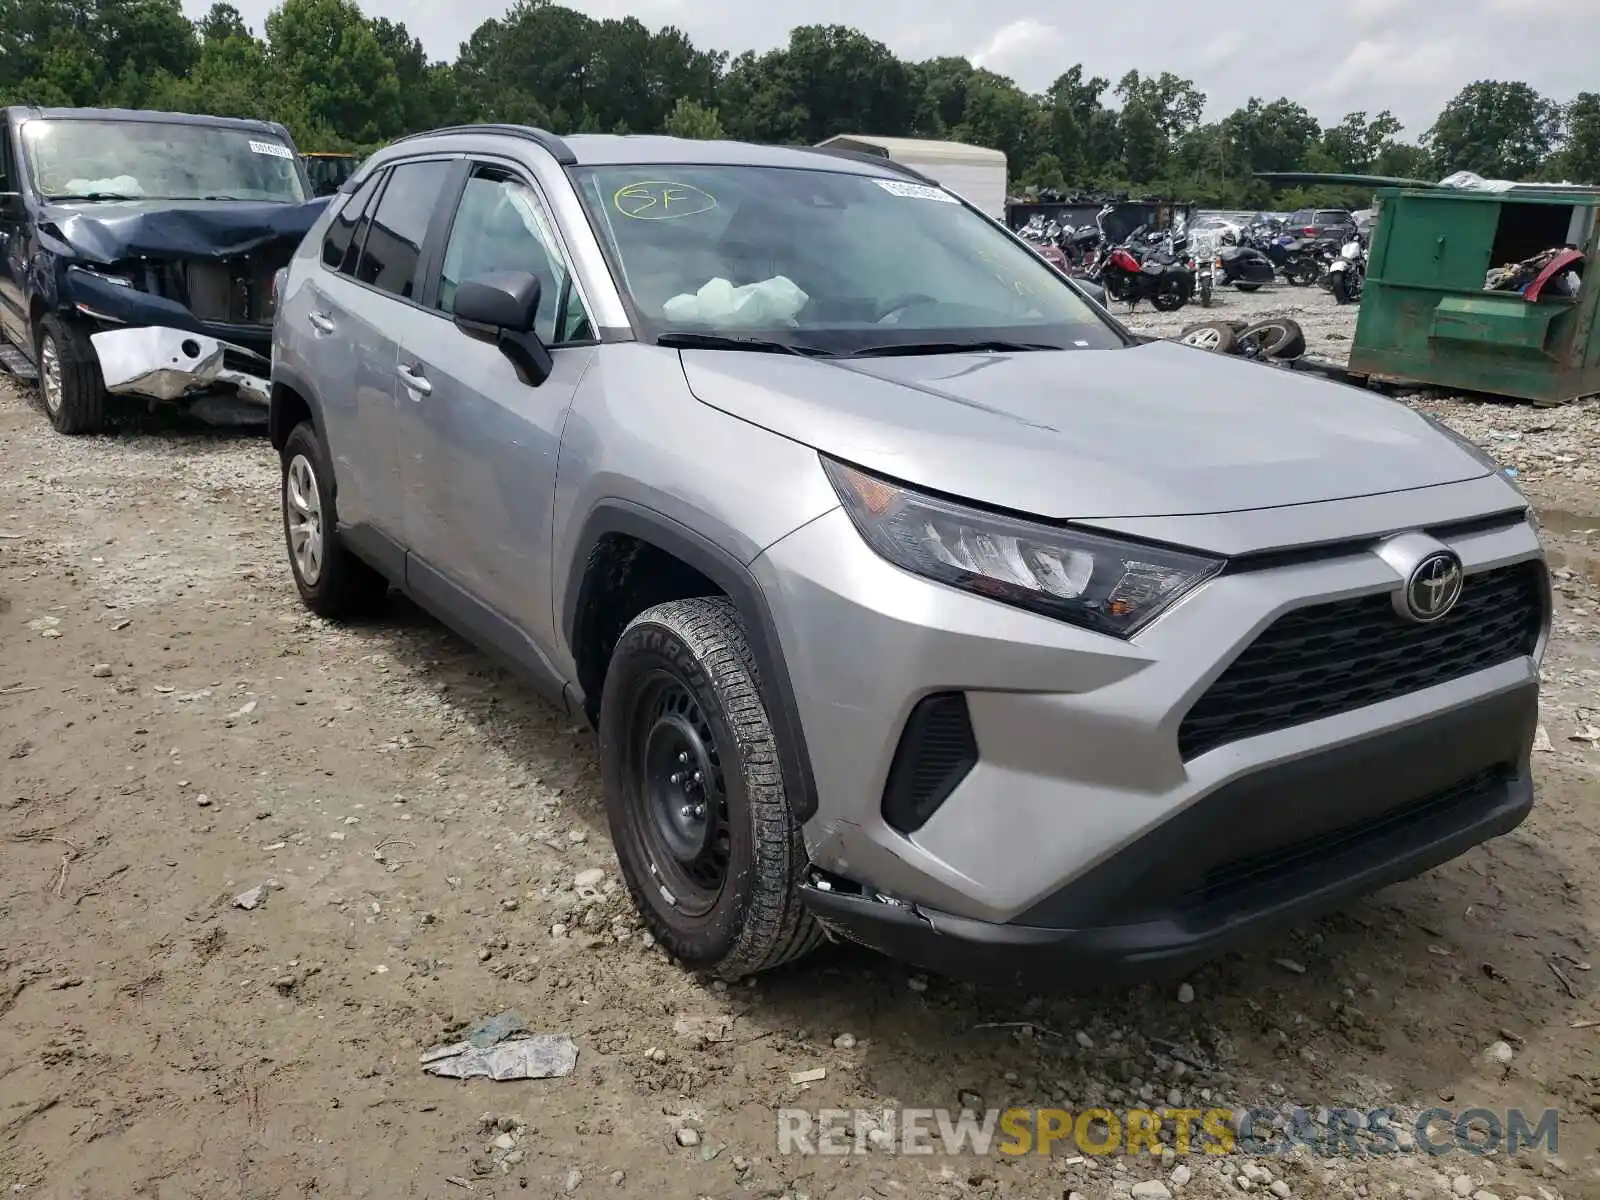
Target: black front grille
[(936, 750), (1332, 658)]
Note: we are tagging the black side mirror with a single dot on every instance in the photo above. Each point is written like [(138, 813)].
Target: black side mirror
[(1094, 291), (500, 308)]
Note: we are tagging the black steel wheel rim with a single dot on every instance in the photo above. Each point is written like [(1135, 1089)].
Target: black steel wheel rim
[(680, 803)]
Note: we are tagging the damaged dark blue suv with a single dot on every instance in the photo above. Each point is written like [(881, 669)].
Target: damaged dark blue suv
[(137, 253)]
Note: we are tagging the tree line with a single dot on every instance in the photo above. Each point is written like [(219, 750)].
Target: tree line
[(341, 80)]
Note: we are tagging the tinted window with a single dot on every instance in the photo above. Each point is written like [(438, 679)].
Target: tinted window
[(1303, 217), (502, 226), (336, 244), (394, 239), (1333, 216)]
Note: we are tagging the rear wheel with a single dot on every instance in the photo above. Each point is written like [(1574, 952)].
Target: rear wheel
[(694, 795), (331, 580), (1341, 287), (70, 385), (1248, 287)]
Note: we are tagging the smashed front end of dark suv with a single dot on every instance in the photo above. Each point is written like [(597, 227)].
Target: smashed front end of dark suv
[(139, 255)]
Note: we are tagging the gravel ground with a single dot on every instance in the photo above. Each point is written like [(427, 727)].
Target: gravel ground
[(175, 730)]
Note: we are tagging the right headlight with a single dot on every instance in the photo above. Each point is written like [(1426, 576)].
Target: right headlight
[(1100, 583)]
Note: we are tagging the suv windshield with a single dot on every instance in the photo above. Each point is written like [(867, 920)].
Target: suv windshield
[(158, 160), (825, 260)]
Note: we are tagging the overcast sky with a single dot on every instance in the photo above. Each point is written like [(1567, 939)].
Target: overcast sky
[(1333, 56)]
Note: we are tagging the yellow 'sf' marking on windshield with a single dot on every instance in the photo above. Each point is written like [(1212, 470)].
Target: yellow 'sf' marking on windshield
[(659, 200)]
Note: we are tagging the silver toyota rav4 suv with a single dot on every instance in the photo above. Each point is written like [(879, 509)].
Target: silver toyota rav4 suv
[(914, 600)]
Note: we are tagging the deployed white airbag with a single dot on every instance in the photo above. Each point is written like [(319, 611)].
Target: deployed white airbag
[(770, 302)]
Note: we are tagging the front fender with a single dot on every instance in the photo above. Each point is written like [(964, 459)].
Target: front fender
[(612, 517)]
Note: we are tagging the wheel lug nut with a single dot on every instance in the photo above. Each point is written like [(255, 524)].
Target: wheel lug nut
[(683, 756)]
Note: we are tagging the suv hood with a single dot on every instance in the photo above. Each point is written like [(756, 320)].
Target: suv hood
[(1153, 430), (111, 231)]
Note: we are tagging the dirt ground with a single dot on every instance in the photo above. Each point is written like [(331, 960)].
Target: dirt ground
[(175, 730)]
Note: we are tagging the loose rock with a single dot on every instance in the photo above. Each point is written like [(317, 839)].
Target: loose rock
[(688, 1137)]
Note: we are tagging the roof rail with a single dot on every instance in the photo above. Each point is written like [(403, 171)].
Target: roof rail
[(876, 160), (558, 149)]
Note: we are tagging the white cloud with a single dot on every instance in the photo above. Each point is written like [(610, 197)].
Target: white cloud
[(1018, 41)]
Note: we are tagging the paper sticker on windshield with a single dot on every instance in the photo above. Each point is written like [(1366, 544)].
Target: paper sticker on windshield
[(916, 191), (659, 200), (271, 148)]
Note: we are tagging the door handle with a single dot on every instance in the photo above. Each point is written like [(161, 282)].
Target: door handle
[(414, 380), (321, 322)]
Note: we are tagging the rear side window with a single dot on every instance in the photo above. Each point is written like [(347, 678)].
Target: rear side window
[(340, 245), (1333, 216), (394, 240)]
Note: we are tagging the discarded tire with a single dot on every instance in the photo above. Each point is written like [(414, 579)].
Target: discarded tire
[(1218, 337), (1277, 338)]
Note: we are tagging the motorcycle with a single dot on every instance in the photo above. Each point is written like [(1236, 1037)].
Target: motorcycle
[(1140, 269), (1244, 267), (1347, 274), (1315, 257)]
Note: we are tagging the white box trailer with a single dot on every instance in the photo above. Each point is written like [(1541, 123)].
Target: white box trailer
[(975, 173)]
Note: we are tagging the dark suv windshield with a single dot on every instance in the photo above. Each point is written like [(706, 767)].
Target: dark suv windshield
[(158, 160), (830, 260)]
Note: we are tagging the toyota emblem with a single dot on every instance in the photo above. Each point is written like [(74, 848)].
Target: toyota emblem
[(1434, 586)]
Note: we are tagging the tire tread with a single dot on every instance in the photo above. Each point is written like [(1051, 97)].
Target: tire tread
[(777, 928), (83, 390)]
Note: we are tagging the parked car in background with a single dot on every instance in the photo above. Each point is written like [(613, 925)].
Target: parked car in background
[(327, 170), (914, 599), (1317, 223), (137, 251)]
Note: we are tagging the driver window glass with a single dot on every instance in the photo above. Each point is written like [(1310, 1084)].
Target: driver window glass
[(501, 225)]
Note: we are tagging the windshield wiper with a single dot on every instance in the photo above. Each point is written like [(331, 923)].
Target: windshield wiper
[(909, 348), (717, 341), (93, 196)]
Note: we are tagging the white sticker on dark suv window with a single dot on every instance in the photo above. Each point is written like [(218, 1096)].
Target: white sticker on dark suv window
[(271, 148), (915, 191)]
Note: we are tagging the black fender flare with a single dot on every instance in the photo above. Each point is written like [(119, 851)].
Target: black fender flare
[(613, 516), (277, 431)]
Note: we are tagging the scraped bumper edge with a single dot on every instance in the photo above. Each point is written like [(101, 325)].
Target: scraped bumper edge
[(168, 364)]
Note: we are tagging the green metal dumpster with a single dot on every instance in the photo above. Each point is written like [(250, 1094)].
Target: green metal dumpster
[(1426, 316)]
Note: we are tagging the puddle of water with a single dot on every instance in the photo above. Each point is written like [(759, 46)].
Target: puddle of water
[(1585, 566), (1570, 524)]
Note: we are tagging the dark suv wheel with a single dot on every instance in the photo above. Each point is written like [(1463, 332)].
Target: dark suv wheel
[(332, 581), (694, 795), (74, 395)]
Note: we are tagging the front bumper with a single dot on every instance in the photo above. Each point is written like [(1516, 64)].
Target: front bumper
[(1083, 831), (1412, 799), (171, 364)]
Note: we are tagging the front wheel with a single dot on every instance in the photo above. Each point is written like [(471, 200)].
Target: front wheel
[(70, 385), (1248, 287), (707, 843)]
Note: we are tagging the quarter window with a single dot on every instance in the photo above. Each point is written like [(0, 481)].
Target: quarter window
[(393, 243), (501, 225)]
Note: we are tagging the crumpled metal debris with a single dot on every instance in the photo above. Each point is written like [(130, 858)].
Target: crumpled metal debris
[(502, 1048)]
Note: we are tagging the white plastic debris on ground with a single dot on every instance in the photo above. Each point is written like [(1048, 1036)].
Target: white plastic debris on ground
[(502, 1048)]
